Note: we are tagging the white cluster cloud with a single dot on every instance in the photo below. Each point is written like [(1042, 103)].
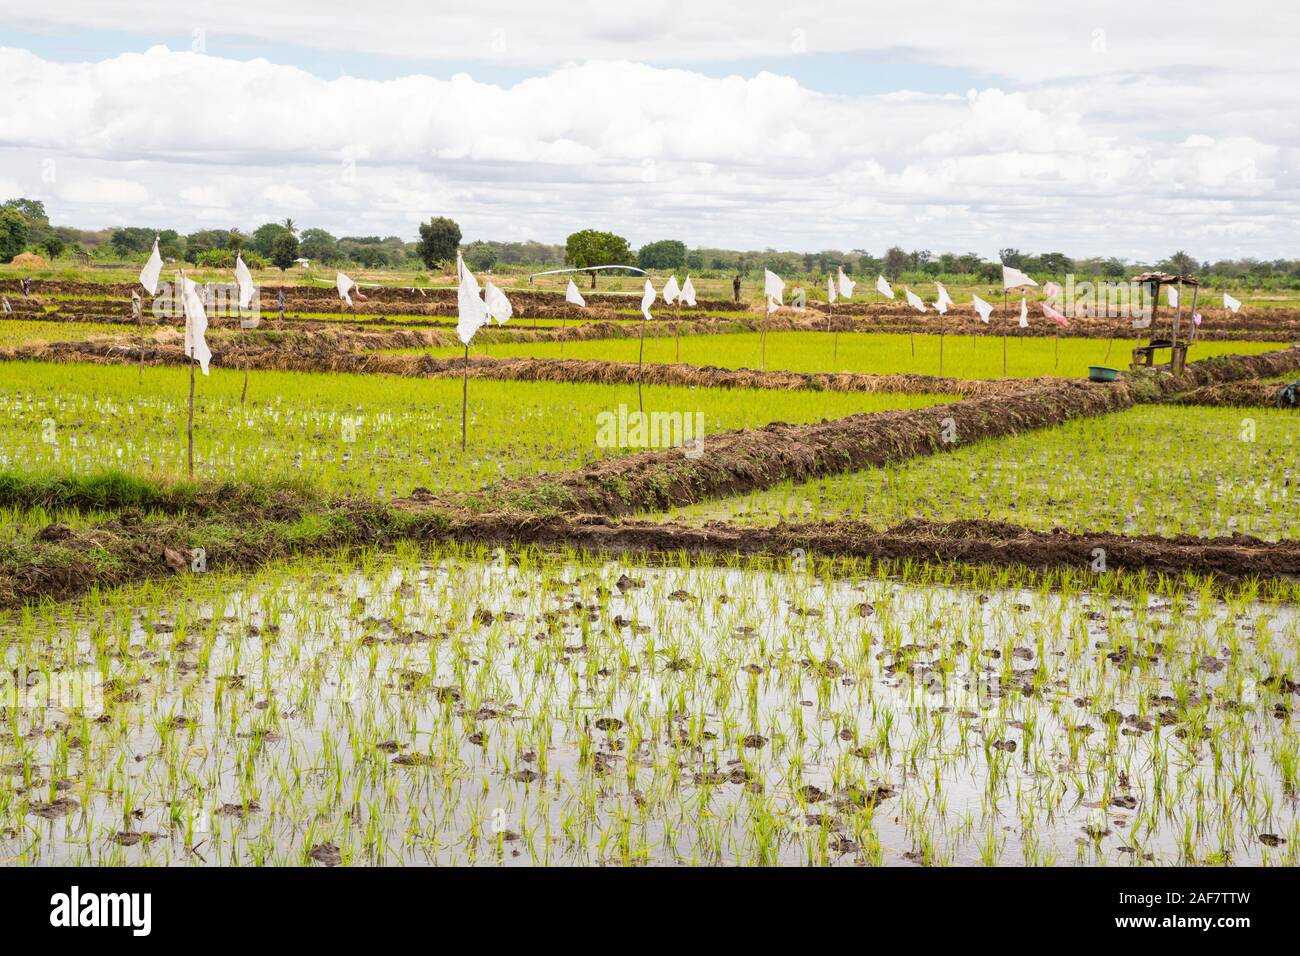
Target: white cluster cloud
[(1111, 164)]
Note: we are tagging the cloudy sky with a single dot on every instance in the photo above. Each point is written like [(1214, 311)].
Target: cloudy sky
[(1111, 129)]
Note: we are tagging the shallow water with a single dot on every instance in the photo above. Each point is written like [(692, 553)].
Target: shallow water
[(694, 715)]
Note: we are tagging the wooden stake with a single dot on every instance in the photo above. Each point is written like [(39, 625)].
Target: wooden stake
[(640, 368), (941, 353), (189, 424), (141, 317), (464, 402), (243, 346)]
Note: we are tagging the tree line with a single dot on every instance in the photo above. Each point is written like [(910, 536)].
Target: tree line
[(25, 227)]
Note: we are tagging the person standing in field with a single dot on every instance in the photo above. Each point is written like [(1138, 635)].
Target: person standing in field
[(735, 288), (26, 286)]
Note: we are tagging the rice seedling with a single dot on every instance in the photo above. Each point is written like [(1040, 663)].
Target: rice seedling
[(444, 706), (373, 435), (873, 352), (1149, 470)]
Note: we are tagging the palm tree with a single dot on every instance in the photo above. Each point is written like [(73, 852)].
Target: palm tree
[(1181, 263), (291, 225)]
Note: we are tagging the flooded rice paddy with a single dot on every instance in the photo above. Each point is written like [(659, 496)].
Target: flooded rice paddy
[(455, 707)]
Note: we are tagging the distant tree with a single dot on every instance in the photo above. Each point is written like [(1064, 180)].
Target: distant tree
[(318, 245), (216, 259), (33, 210), (170, 244), (1113, 268), (896, 260), (592, 247), (1010, 257), (695, 259), (1180, 263), (264, 237), (13, 233), (1056, 263), (130, 240), (291, 225), (869, 265), (480, 256), (664, 254), (53, 246), (197, 243), (234, 240), (284, 250), (369, 255), (439, 240)]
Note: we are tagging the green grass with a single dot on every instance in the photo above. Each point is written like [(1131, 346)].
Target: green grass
[(25, 333), (1150, 470), (78, 419), (863, 352)]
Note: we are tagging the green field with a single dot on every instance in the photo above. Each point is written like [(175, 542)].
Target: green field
[(406, 432), (963, 356), (1150, 470)]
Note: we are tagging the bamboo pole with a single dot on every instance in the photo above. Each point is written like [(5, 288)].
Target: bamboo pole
[(135, 297), (640, 368), (677, 333), (189, 423), (1004, 333), (464, 402)]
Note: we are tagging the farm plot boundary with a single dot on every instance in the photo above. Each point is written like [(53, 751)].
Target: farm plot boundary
[(60, 562)]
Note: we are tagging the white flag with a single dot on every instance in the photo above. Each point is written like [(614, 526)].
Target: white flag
[(243, 279), (196, 325), (151, 271), (1024, 313), (497, 305), (687, 295), (647, 300), (982, 307), (573, 296), (883, 288), (345, 287), (830, 290), (773, 289), (469, 305), (671, 290), (1013, 278), (1172, 292), (914, 300), (846, 285), (944, 298), (1230, 303)]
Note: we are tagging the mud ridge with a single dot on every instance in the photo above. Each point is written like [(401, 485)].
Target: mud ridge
[(968, 542), (1253, 394), (739, 462)]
